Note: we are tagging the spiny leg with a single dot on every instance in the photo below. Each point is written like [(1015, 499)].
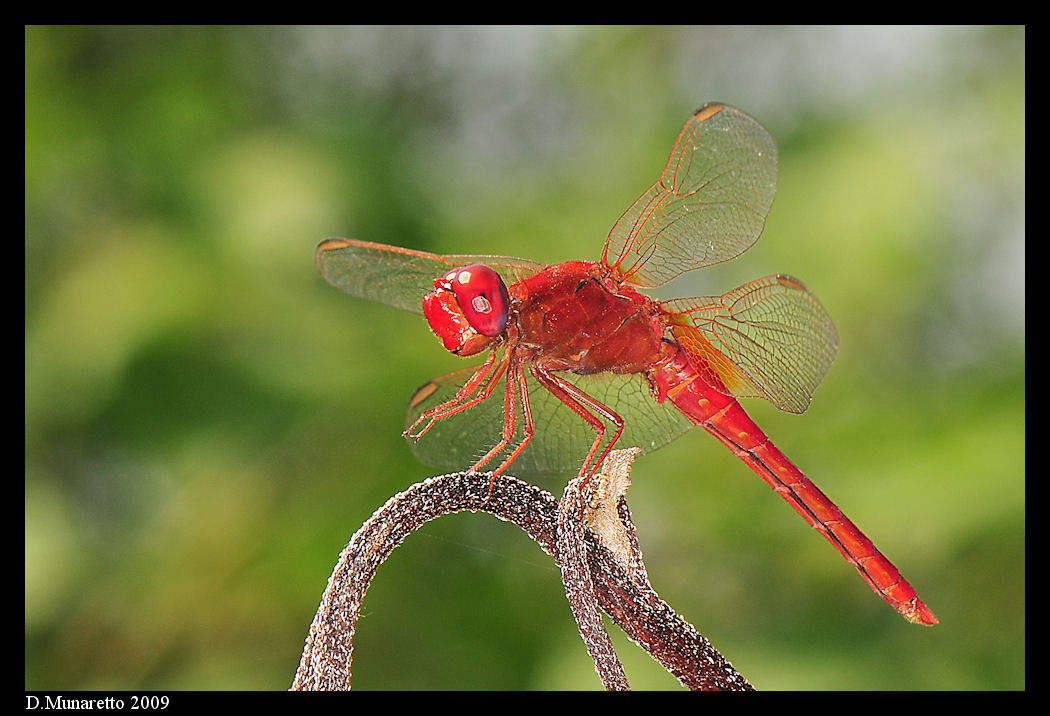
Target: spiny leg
[(509, 417), (529, 429), (582, 404), (455, 405)]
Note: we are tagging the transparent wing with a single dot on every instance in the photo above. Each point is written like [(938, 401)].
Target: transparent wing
[(770, 338), (562, 438), (401, 277), (709, 205)]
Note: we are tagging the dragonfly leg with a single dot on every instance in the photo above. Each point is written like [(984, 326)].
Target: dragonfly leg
[(509, 416), (582, 404), (515, 381), (483, 376)]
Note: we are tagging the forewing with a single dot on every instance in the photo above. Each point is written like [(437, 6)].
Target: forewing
[(709, 205), (401, 277), (770, 338)]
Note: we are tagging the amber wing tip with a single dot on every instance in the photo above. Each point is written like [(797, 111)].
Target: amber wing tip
[(331, 244), (708, 110), (918, 613)]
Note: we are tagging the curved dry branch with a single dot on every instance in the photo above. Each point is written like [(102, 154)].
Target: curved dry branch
[(579, 587), (614, 576)]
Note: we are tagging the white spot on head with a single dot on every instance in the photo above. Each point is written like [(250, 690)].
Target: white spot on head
[(464, 277)]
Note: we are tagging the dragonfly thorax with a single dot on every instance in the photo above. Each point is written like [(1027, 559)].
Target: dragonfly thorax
[(577, 317)]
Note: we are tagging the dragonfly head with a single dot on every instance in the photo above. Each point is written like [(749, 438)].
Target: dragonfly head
[(468, 308)]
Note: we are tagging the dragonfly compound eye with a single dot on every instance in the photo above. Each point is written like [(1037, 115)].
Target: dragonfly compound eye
[(482, 297)]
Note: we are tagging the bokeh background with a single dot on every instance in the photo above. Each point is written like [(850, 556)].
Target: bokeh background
[(207, 422)]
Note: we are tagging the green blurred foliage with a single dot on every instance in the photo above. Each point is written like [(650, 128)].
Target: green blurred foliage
[(207, 422)]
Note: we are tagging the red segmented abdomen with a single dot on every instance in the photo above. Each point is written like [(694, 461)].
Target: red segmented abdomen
[(721, 415)]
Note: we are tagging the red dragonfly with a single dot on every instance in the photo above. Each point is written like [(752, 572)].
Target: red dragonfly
[(631, 370)]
